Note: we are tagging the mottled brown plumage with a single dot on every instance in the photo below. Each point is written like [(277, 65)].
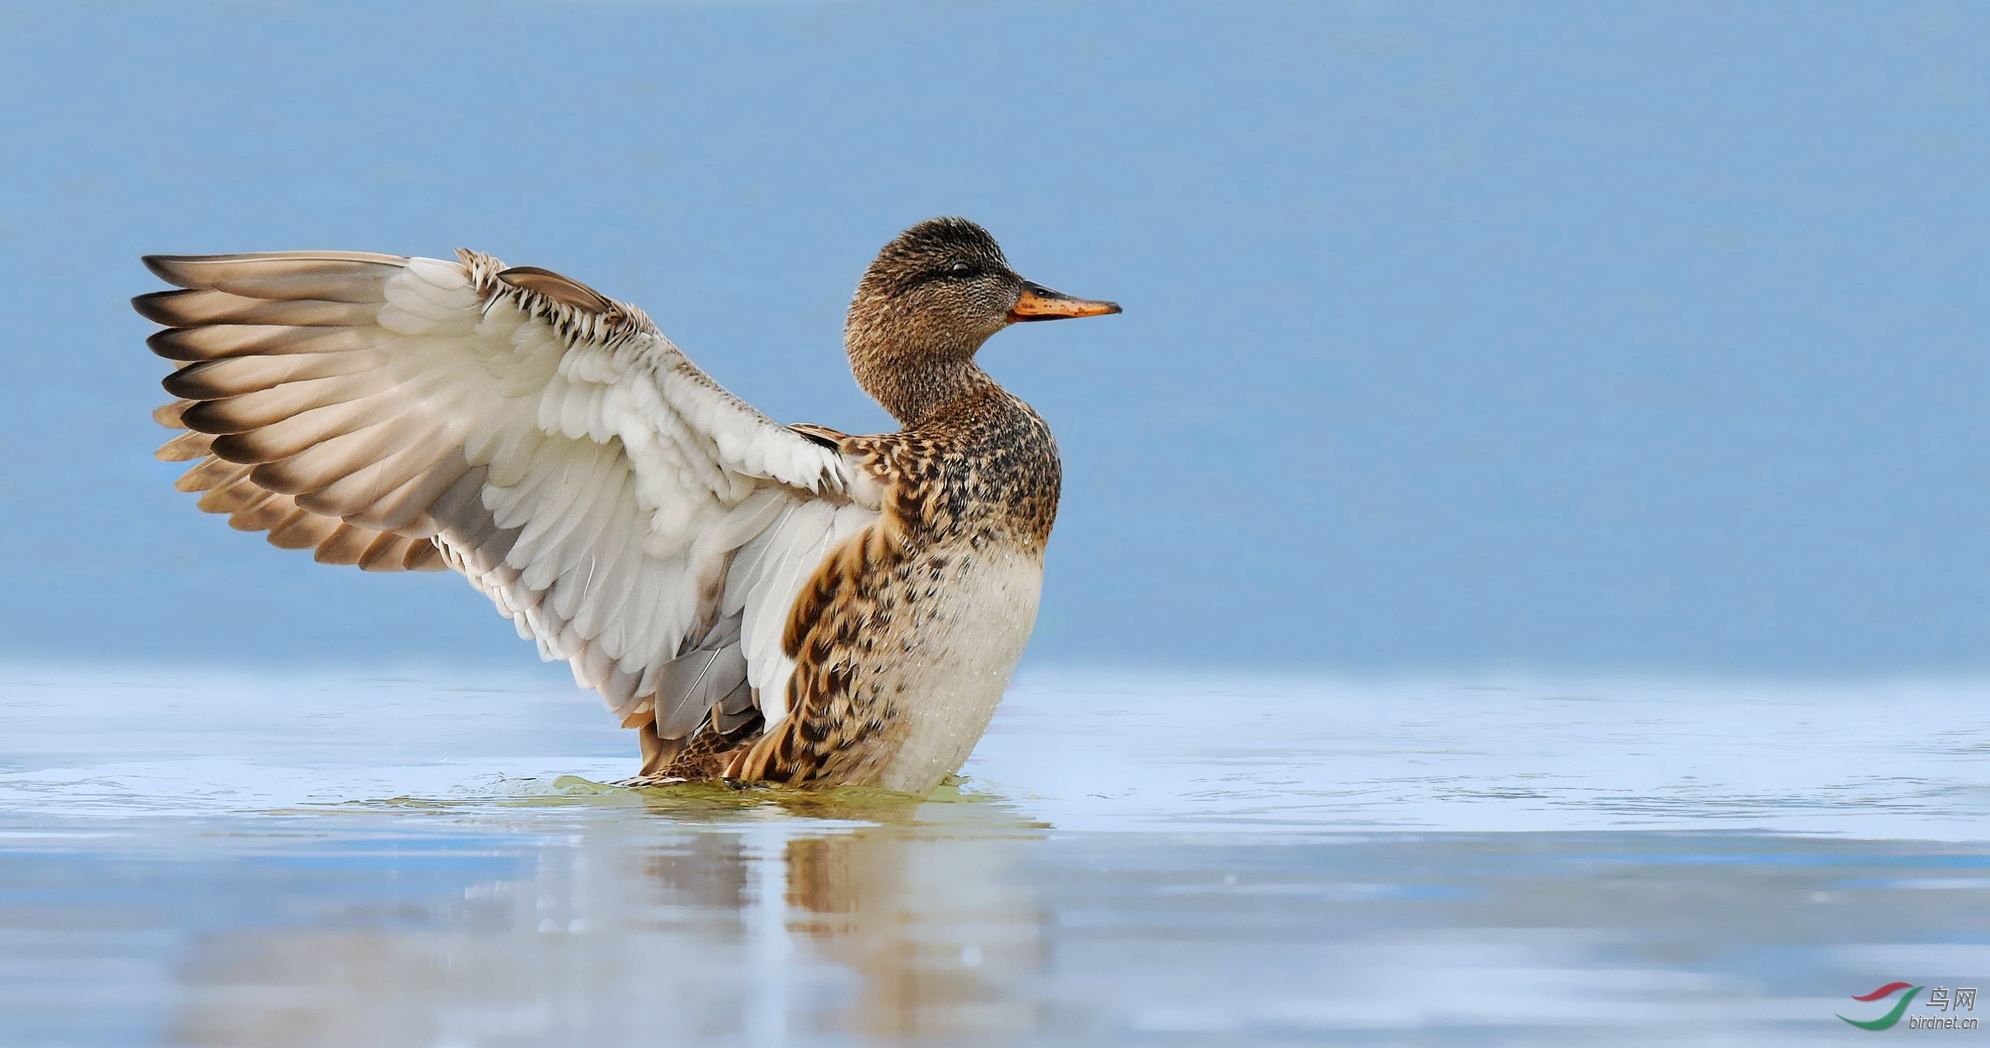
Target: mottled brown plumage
[(973, 475)]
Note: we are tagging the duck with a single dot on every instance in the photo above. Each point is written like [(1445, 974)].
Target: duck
[(759, 602)]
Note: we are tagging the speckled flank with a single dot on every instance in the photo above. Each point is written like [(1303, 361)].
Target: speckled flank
[(905, 638)]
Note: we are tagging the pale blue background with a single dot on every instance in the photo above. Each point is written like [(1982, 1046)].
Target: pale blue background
[(1625, 335)]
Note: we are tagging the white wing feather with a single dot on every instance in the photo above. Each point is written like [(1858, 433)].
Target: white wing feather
[(615, 503)]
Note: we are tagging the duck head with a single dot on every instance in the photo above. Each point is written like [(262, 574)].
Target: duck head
[(925, 306)]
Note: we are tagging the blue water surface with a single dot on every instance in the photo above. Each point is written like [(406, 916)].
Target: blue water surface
[(290, 859)]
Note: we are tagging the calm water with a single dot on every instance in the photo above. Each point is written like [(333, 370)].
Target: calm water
[(270, 860)]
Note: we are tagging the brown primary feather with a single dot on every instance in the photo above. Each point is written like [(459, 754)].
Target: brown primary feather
[(234, 340), (192, 308), (345, 545), (264, 513), (406, 507), (294, 435), (386, 448), (230, 498), (210, 473), (264, 407), (233, 376), (302, 530), (380, 478), (387, 552), (425, 555), (168, 415), (334, 276), (185, 448)]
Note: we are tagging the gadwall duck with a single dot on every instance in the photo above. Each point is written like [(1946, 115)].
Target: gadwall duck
[(759, 601)]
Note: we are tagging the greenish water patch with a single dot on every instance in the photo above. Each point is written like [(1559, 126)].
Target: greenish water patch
[(954, 805)]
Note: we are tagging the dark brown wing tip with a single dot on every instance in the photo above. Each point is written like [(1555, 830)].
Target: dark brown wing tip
[(165, 343), (564, 290), (153, 307), (167, 267)]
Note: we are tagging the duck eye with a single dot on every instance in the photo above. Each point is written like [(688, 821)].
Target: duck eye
[(959, 269)]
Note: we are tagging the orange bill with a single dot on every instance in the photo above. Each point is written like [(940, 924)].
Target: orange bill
[(1041, 303)]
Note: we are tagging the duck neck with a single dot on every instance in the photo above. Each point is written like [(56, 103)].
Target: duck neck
[(914, 381)]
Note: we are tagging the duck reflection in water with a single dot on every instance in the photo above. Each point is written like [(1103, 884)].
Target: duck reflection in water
[(940, 930), (868, 915)]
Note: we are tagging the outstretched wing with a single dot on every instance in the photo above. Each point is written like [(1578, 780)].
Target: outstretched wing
[(549, 443)]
